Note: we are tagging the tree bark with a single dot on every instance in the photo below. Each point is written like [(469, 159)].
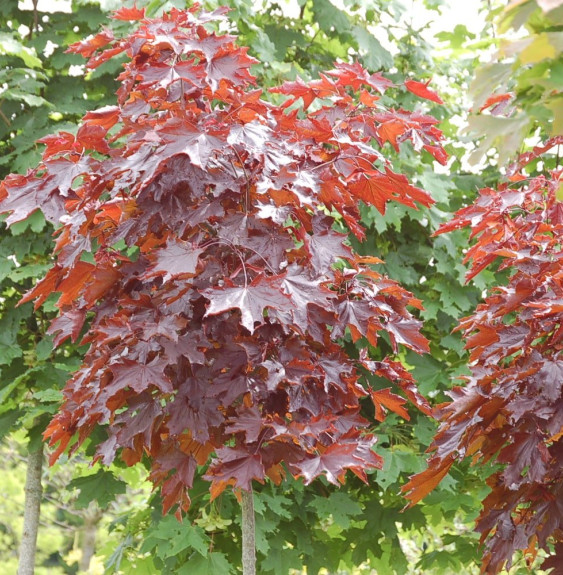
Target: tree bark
[(32, 505), (248, 534), (89, 531)]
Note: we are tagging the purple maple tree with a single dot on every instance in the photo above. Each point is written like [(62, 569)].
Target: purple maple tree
[(510, 409), (197, 255)]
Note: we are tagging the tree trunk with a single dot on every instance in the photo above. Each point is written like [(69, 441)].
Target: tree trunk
[(89, 532), (248, 534), (88, 545), (33, 493)]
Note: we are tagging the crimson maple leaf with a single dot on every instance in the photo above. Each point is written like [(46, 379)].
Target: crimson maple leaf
[(237, 464), (377, 188), (129, 14), (249, 421), (336, 459), (138, 376), (263, 292), (421, 89), (68, 324), (178, 258), (231, 65)]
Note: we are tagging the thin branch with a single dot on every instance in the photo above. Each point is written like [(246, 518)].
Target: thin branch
[(247, 199), (35, 24), (302, 11), (5, 118)]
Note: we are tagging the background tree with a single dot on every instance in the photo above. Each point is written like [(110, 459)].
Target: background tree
[(509, 409), (41, 90)]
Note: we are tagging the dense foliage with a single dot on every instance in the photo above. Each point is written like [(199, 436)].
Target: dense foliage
[(319, 525), (307, 527), (509, 410), (38, 94), (215, 327), (42, 89)]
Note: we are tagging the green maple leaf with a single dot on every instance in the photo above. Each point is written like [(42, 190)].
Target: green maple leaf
[(330, 17), (101, 487), (281, 561), (9, 349), (341, 506), (7, 420), (213, 564), (170, 538)]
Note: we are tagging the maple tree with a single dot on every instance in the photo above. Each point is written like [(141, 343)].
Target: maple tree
[(400, 238), (509, 409), (301, 44), (198, 247), (295, 534), (506, 415)]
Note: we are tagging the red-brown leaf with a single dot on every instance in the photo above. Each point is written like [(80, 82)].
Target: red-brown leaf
[(384, 398), (129, 14), (421, 89), (421, 484)]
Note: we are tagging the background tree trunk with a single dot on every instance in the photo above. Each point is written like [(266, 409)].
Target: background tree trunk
[(248, 534), (92, 518), (33, 493)]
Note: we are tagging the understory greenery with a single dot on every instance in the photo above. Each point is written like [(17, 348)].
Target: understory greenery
[(492, 111)]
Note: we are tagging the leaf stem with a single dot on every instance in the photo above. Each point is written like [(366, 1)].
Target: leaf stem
[(5, 118), (247, 198)]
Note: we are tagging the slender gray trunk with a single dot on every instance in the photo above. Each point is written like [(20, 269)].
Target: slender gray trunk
[(89, 531), (88, 545), (33, 494), (248, 534)]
